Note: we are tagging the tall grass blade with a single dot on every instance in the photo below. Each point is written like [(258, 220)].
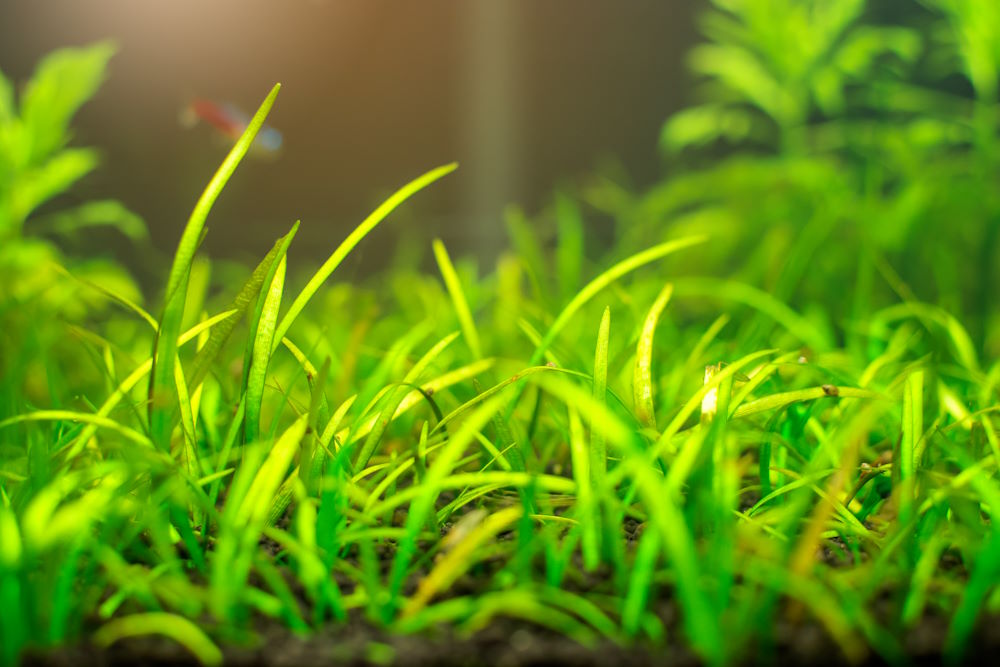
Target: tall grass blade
[(161, 397), (260, 357), (352, 240), (240, 305), (642, 375), (458, 300), (598, 444)]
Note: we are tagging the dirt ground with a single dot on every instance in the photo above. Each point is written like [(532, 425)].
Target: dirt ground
[(504, 643)]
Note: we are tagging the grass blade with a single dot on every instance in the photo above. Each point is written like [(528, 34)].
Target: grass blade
[(161, 395), (642, 377), (173, 626), (458, 299), (352, 240), (598, 443), (603, 280), (261, 352), (241, 303)]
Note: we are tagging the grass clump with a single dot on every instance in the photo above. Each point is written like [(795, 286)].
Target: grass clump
[(711, 436)]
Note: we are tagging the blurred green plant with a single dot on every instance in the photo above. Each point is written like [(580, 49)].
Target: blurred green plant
[(37, 165), (862, 146)]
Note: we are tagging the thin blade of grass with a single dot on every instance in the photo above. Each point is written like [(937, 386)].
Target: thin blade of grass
[(459, 559), (255, 505), (76, 445), (161, 398), (352, 240), (598, 448), (640, 583), (240, 305), (172, 626), (603, 280), (261, 352), (587, 514), (396, 398), (642, 376), (784, 399), (458, 300), (913, 430)]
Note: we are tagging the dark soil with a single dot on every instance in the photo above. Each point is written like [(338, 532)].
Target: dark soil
[(508, 642), (504, 643)]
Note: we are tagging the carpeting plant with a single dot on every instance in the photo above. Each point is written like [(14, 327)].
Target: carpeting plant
[(612, 451)]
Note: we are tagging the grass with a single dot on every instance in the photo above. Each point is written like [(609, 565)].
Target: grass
[(636, 446), (758, 464)]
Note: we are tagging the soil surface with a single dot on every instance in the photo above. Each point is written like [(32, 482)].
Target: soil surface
[(504, 643)]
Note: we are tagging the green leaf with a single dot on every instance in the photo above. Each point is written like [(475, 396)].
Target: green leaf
[(602, 281), (53, 177), (102, 213), (161, 397), (254, 507), (598, 443), (461, 305), (702, 125), (353, 239), (642, 375), (261, 353), (241, 303), (62, 82), (172, 626)]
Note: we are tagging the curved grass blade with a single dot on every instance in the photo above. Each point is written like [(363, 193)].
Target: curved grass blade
[(261, 353), (423, 503), (125, 386), (642, 376), (318, 407), (784, 399), (94, 421), (173, 626), (377, 383), (161, 397), (640, 583), (253, 509), (603, 280), (587, 512), (477, 612), (396, 398), (459, 558), (127, 303), (592, 288), (352, 240), (791, 321), (458, 299), (310, 462), (189, 452), (598, 443), (471, 403), (241, 303)]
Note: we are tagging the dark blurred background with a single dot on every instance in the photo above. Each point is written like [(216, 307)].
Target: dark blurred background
[(525, 94)]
